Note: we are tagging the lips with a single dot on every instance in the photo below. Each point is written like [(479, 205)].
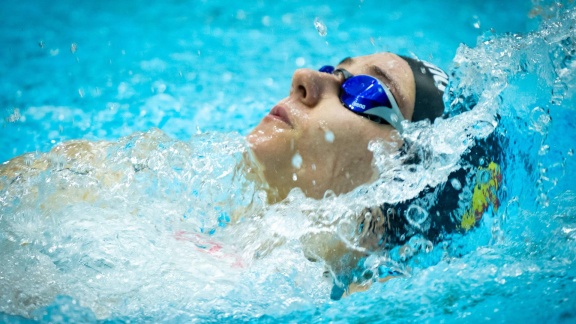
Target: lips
[(280, 113)]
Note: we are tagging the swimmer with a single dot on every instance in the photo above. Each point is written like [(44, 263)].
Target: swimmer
[(325, 125), (316, 139)]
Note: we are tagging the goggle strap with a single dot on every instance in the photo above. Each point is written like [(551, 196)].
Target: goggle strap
[(392, 115), (388, 114)]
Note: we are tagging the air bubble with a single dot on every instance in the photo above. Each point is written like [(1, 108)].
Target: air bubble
[(415, 243), (297, 160), (416, 215), (428, 246), (456, 184), (73, 48), (320, 27), (484, 177), (406, 253)]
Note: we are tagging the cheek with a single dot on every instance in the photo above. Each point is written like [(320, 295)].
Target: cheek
[(352, 146), (270, 146), (334, 144)]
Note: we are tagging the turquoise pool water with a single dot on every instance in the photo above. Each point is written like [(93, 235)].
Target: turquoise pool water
[(174, 86)]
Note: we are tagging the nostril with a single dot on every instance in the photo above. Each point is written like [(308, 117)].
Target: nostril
[(302, 91)]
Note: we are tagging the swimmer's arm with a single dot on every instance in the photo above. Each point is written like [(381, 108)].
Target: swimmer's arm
[(338, 255), (356, 287), (61, 156)]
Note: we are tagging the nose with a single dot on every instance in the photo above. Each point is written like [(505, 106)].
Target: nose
[(308, 86)]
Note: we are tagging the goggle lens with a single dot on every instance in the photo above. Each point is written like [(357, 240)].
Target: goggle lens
[(367, 96), (363, 92)]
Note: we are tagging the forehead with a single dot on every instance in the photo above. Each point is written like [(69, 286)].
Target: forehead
[(389, 62)]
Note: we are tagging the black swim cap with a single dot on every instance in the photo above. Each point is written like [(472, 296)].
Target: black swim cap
[(431, 82)]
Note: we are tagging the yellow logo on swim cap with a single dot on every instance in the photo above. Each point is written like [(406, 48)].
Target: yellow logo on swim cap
[(485, 193)]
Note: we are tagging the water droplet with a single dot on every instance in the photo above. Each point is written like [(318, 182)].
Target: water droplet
[(300, 61), (544, 200), (329, 136), (297, 161), (428, 246), (475, 22), (544, 149), (73, 48), (406, 252), (389, 212), (28, 159), (320, 27), (368, 217), (456, 184), (14, 117), (287, 19), (266, 21), (540, 119)]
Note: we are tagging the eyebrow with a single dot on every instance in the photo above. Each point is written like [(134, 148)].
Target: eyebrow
[(347, 60), (391, 82), (375, 70)]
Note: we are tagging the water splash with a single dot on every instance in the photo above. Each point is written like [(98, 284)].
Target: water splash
[(139, 228)]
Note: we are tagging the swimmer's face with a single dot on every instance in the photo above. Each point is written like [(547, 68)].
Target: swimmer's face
[(311, 141)]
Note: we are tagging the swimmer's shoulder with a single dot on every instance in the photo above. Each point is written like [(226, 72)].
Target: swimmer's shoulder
[(61, 155)]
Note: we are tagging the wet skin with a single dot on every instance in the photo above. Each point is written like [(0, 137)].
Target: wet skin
[(332, 141)]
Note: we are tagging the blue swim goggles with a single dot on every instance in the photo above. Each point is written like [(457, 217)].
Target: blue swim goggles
[(367, 96)]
